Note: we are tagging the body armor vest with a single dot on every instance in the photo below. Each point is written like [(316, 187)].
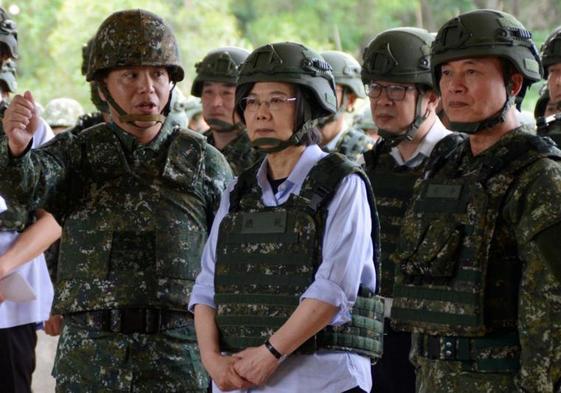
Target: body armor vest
[(353, 143), (135, 234), (393, 187), (267, 257), (459, 271), (239, 153)]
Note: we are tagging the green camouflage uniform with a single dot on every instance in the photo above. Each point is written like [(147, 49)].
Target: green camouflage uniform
[(135, 219), (239, 153), (521, 296)]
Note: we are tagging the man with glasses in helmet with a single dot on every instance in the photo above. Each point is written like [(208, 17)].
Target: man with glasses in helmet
[(550, 124), (336, 134), (215, 85), (478, 254), (396, 72), (139, 199)]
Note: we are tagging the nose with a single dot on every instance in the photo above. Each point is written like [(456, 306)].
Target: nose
[(263, 112), (452, 83), (145, 82)]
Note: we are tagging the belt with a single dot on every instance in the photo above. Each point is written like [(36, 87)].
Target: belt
[(131, 320), (498, 352)]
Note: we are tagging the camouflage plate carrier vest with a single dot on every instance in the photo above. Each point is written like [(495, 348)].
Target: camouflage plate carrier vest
[(135, 235), (393, 187), (267, 257), (16, 217), (459, 272), (353, 143), (239, 153)]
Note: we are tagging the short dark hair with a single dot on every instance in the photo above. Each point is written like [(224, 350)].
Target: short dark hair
[(304, 110)]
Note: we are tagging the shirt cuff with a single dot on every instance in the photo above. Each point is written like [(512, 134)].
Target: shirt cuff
[(201, 295), (329, 292)]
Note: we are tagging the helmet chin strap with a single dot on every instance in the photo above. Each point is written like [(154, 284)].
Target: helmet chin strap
[(411, 130), (274, 145), (129, 118), (221, 126), (490, 122)]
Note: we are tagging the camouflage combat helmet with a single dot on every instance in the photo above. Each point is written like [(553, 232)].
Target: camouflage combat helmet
[(289, 62), (8, 75), (483, 33), (133, 38), (193, 107), (94, 89), (346, 71), (551, 51), (8, 33), (62, 112), (400, 55), (219, 65)]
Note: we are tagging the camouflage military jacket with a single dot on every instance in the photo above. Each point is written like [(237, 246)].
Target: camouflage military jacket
[(530, 204), (353, 143), (135, 217), (239, 153)]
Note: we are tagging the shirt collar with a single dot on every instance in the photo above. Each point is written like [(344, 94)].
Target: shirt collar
[(130, 142)]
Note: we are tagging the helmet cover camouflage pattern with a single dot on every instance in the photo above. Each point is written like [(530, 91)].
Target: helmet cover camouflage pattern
[(8, 33), (219, 65), (134, 38), (346, 71), (62, 112), (400, 55)]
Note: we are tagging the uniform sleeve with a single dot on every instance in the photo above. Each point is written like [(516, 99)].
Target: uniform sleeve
[(347, 250), (36, 176), (533, 208)]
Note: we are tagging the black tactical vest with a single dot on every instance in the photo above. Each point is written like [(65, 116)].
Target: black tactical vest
[(458, 270), (393, 188), (552, 130), (267, 257), (134, 236)]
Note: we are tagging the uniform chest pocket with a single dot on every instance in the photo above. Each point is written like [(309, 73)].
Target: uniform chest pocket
[(435, 251)]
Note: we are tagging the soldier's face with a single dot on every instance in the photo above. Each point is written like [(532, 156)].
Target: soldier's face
[(218, 101), (472, 89), (271, 122), (554, 82), (139, 90), (394, 115)]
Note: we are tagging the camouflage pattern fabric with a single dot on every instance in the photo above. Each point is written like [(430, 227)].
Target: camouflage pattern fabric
[(100, 362), (239, 153), (353, 143), (532, 204), (135, 219), (62, 112)]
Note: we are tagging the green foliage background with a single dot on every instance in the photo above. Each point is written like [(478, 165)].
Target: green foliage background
[(52, 32)]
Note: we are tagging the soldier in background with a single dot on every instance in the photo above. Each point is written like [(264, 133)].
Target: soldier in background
[(365, 122), (136, 198), (478, 277), (396, 72), (194, 112), (550, 124), (8, 83), (336, 133), (62, 113), (215, 85)]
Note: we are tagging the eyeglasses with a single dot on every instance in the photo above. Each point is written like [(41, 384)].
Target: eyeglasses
[(393, 92), (273, 104)]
